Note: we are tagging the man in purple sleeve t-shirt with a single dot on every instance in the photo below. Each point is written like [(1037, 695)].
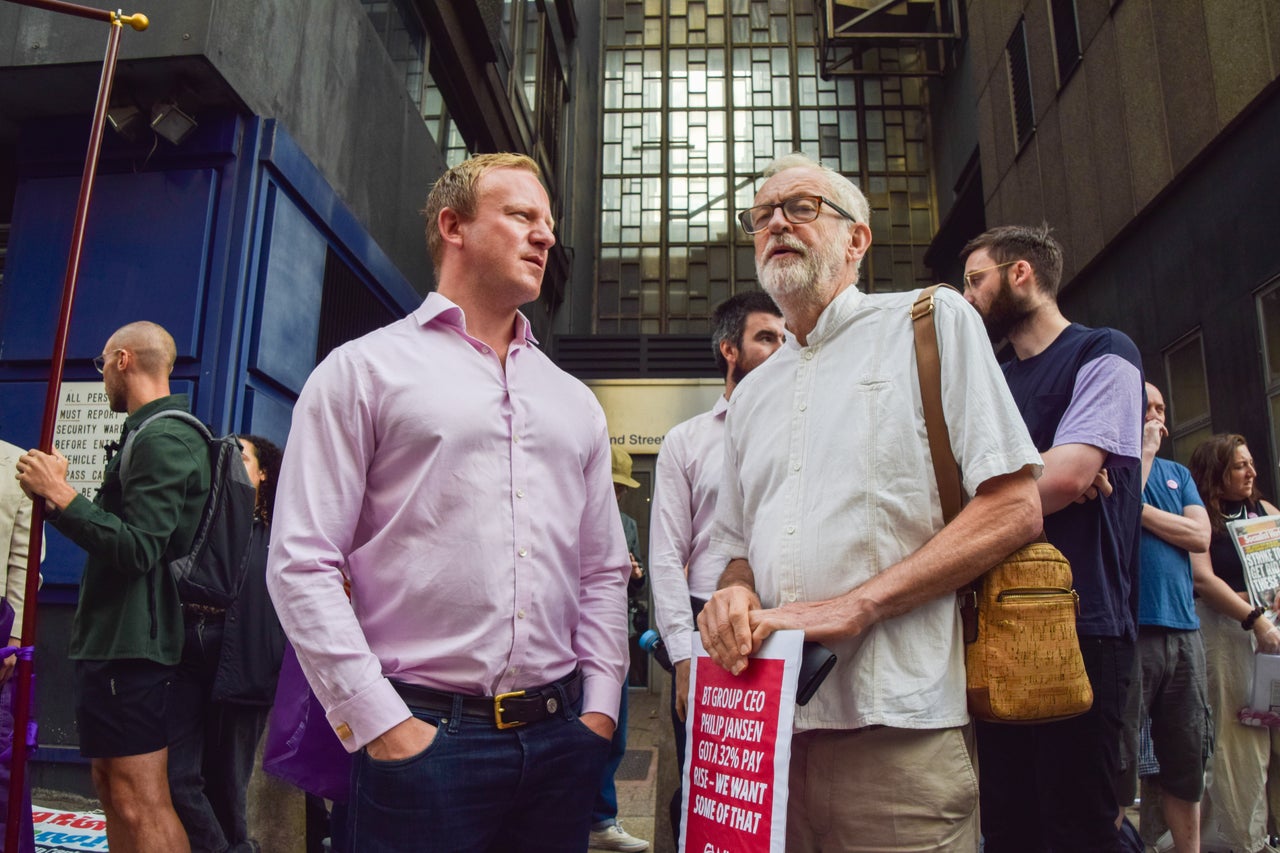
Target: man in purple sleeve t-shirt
[(461, 484), (1052, 786)]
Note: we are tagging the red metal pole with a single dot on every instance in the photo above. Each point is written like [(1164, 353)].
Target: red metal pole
[(22, 700)]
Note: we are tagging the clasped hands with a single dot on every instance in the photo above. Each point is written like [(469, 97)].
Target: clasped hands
[(733, 624)]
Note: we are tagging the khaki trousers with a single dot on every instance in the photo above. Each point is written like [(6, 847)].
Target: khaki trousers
[(1235, 800), (883, 790)]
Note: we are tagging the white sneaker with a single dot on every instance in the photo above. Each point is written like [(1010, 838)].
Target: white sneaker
[(614, 837)]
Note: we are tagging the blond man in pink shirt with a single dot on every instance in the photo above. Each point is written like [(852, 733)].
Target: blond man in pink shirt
[(460, 482)]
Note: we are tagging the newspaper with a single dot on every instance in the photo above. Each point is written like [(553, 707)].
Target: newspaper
[(1257, 541)]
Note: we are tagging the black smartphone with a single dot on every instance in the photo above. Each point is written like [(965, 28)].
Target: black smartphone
[(816, 661)]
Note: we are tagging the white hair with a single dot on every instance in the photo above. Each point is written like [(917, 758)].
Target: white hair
[(844, 192)]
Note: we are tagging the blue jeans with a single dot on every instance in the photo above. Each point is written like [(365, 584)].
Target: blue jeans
[(476, 788)]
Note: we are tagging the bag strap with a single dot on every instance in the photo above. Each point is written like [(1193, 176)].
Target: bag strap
[(126, 452), (929, 365), (945, 468)]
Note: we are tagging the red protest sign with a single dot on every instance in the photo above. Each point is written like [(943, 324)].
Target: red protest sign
[(739, 734)]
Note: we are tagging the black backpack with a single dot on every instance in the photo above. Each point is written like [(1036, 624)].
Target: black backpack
[(212, 572)]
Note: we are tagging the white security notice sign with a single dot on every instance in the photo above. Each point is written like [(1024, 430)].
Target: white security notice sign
[(84, 426)]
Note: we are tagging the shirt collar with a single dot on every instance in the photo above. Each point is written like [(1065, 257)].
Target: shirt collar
[(444, 309), (721, 406), (837, 313), (171, 401)]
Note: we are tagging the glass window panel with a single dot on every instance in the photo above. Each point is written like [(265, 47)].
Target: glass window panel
[(1269, 313), (612, 158), (650, 263), (876, 161), (916, 157), (780, 58), (715, 31), (1184, 445), (1274, 409), (875, 124), (779, 29), (921, 225), (808, 125), (894, 141), (678, 262), (651, 299), (781, 92), (808, 92), (677, 299), (679, 94), (1188, 392), (607, 292)]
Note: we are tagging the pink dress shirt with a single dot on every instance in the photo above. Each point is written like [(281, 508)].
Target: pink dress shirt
[(472, 510)]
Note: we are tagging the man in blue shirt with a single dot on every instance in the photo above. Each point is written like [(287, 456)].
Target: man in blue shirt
[(1052, 786), (1174, 524)]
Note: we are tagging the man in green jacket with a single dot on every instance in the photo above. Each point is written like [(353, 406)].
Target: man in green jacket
[(126, 638)]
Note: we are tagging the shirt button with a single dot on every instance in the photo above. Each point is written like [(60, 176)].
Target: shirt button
[(791, 596), (524, 552), (511, 671), (520, 614), (519, 493), (804, 407), (791, 528), (808, 355), (516, 439), (795, 467)]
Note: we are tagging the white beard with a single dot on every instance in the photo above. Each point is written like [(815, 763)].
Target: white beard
[(804, 277)]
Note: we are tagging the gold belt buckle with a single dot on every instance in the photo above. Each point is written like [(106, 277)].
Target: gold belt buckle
[(497, 710)]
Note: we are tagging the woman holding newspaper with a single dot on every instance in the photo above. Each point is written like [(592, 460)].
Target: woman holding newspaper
[(1235, 805)]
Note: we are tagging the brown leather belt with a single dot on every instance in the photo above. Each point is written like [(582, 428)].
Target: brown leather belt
[(506, 710)]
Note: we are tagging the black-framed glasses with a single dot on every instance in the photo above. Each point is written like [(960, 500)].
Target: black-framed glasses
[(100, 362), (797, 210)]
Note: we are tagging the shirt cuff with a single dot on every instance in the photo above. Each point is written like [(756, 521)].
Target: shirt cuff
[(680, 646), (601, 695), (367, 715)]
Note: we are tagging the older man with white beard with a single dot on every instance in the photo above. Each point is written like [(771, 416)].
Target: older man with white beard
[(831, 515)]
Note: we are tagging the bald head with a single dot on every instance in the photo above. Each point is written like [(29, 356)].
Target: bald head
[(152, 347)]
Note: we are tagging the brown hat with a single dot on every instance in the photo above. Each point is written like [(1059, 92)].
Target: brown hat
[(622, 468)]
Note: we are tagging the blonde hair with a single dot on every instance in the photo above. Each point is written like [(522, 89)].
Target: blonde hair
[(457, 190)]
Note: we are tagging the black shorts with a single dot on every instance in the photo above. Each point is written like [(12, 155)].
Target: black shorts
[(121, 707)]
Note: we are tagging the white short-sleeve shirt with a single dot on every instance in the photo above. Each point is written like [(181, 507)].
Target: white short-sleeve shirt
[(828, 481)]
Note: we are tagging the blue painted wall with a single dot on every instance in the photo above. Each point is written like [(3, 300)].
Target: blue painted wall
[(222, 241)]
